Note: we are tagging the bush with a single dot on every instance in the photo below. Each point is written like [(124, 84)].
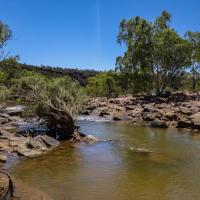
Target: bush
[(57, 101), (104, 84)]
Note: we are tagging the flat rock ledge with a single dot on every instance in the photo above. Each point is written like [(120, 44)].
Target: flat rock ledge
[(181, 110), (25, 146)]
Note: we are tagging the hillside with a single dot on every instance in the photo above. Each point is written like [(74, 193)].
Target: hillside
[(80, 75)]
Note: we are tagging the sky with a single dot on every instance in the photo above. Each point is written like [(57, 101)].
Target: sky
[(83, 33)]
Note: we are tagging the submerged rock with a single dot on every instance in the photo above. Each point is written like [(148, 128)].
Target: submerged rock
[(90, 139), (140, 150)]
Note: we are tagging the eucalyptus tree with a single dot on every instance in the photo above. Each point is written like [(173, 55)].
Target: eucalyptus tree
[(171, 53), (5, 35), (135, 65), (154, 53), (194, 40), (8, 64)]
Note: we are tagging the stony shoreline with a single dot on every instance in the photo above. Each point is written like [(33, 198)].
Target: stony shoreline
[(11, 142), (28, 139), (181, 110), (18, 140)]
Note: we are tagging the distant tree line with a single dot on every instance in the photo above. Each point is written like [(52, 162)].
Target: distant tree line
[(157, 59), (76, 74)]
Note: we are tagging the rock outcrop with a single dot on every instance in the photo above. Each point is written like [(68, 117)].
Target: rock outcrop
[(181, 110), (26, 146)]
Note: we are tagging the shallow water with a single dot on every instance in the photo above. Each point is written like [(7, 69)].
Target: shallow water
[(111, 171)]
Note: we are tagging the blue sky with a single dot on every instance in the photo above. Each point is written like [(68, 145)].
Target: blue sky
[(83, 33)]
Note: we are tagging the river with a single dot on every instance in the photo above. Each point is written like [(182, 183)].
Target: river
[(113, 171)]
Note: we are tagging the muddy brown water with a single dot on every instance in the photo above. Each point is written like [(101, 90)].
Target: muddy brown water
[(111, 171)]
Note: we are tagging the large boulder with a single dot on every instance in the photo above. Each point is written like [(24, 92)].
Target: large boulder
[(149, 108), (184, 123), (85, 112), (129, 107), (6, 135), (151, 116), (3, 158), (159, 124), (186, 111), (195, 119), (14, 142), (42, 142), (15, 110), (104, 112), (24, 150), (121, 116), (4, 143), (49, 141), (170, 115), (4, 120), (90, 139), (36, 143)]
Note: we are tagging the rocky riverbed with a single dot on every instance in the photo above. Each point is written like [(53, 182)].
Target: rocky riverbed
[(181, 110)]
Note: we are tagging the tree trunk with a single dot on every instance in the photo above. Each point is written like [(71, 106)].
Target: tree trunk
[(193, 79), (60, 123)]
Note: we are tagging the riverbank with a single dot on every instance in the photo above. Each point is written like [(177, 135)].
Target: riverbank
[(20, 139), (181, 110), (28, 138), (16, 141)]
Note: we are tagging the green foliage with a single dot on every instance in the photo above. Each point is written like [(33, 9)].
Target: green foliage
[(10, 67), (3, 77), (39, 92), (5, 35), (104, 84), (4, 95), (194, 40), (135, 65), (155, 53)]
